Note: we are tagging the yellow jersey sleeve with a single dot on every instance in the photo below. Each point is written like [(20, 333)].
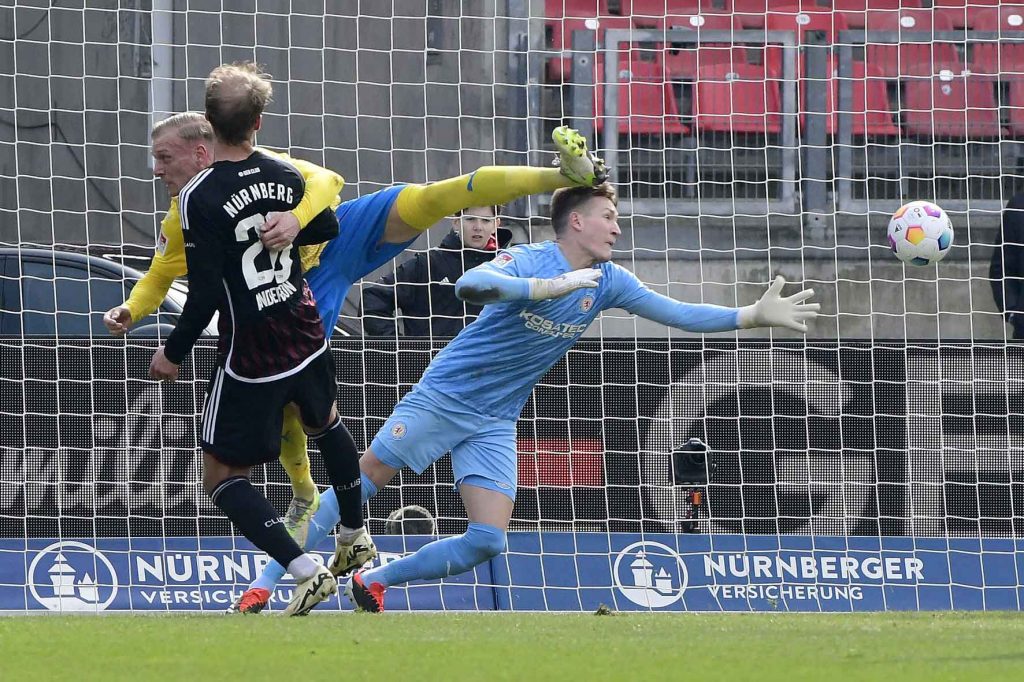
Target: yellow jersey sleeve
[(322, 188), (168, 264)]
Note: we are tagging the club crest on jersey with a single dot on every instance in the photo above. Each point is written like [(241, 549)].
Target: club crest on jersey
[(503, 259), (586, 303), (398, 431)]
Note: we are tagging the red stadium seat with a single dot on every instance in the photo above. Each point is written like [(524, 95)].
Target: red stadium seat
[(870, 108), (647, 102), (805, 21), (999, 59), (918, 54), (802, 23), (961, 13), (737, 98), (645, 10), (751, 13), (951, 106), (682, 61), (855, 11), (1016, 122), (566, 16)]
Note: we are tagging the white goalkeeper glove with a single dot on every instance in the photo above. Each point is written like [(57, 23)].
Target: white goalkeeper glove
[(772, 310), (563, 284)]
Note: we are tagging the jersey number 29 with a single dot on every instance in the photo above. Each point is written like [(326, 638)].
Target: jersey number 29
[(280, 261)]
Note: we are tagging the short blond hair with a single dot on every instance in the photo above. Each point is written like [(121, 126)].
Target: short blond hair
[(236, 95), (190, 125)]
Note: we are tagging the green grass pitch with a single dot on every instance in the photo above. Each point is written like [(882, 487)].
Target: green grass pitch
[(981, 647)]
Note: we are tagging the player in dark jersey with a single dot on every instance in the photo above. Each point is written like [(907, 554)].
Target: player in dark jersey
[(272, 349)]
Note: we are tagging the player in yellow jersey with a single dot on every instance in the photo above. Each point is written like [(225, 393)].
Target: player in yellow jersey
[(182, 147), (374, 228)]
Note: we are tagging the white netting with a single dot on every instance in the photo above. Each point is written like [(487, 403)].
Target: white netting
[(739, 154)]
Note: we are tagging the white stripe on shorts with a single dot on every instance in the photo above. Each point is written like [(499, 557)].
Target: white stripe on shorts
[(212, 403)]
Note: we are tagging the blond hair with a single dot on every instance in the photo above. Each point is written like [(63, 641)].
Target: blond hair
[(190, 125), (236, 95)]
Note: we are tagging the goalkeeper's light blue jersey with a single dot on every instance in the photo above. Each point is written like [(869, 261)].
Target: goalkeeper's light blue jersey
[(494, 363)]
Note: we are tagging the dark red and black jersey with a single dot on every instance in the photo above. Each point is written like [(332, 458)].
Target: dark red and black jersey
[(269, 324)]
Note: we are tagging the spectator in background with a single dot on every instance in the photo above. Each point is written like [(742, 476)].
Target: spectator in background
[(423, 288), (1007, 269)]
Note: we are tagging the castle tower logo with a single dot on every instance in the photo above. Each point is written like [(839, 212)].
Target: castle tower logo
[(72, 576), (650, 574)]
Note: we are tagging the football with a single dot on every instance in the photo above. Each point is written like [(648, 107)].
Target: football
[(920, 233)]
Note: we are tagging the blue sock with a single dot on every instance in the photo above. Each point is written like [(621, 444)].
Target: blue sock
[(324, 521), (441, 558)]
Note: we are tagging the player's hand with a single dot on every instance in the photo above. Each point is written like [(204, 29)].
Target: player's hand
[(161, 368), (563, 284), (118, 320), (280, 230), (772, 310)]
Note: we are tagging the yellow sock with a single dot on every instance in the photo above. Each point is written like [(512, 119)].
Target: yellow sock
[(294, 457), (422, 206)]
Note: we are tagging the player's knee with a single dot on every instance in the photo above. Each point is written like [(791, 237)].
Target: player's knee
[(486, 541)]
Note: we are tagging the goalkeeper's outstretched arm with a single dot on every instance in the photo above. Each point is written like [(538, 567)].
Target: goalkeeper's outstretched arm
[(482, 285), (771, 310)]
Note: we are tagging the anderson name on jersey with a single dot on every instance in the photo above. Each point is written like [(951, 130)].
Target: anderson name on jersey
[(269, 325)]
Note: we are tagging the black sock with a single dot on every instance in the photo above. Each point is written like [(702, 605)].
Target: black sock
[(256, 518), (341, 459)]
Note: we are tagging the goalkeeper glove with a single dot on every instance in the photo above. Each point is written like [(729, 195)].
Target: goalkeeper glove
[(563, 284), (772, 310)]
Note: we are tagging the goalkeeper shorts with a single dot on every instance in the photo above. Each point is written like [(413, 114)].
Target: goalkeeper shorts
[(354, 253), (426, 424)]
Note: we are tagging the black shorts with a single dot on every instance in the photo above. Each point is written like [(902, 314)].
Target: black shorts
[(242, 420)]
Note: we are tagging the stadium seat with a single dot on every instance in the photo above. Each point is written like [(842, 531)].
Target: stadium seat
[(1015, 124), (855, 11), (961, 13), (565, 16), (999, 59), (737, 98), (751, 13), (870, 107), (803, 21), (682, 60), (951, 106), (917, 54), (647, 102), (644, 10)]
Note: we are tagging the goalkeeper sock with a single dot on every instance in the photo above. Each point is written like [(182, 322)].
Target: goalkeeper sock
[(254, 516), (294, 455), (324, 520), (341, 458), (441, 558), (422, 206)]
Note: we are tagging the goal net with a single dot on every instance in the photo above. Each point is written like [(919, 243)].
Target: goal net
[(875, 464)]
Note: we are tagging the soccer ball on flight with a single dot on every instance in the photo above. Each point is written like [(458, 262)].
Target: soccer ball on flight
[(920, 233)]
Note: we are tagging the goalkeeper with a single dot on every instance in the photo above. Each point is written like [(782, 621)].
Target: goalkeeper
[(374, 229), (539, 299)]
